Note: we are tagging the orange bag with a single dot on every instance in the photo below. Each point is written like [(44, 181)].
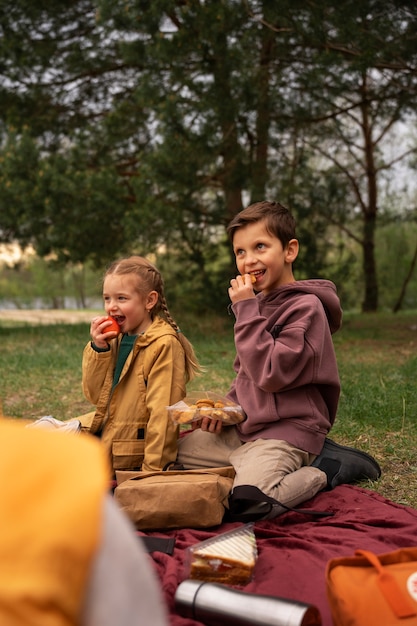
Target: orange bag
[(370, 590)]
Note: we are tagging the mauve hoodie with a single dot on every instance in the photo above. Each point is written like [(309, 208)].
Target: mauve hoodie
[(287, 379)]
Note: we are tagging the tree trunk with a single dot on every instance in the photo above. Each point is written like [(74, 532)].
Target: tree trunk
[(232, 175), (410, 272), (263, 118), (370, 301), (369, 210)]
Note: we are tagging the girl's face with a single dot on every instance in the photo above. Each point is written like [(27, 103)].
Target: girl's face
[(123, 302), (262, 255)]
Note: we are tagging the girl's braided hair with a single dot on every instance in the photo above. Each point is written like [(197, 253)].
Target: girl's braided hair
[(150, 279)]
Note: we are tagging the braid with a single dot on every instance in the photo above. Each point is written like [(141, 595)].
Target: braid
[(168, 315), (191, 362), (156, 283)]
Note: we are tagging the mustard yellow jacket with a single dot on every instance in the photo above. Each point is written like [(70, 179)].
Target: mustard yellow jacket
[(50, 524), (132, 418)]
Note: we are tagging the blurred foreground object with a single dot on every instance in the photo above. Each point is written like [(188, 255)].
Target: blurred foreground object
[(68, 556)]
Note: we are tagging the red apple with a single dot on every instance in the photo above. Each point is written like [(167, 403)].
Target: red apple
[(114, 326)]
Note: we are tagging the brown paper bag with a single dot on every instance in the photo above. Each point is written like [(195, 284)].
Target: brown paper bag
[(174, 499)]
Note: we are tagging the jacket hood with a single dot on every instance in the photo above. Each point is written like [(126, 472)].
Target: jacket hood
[(155, 331), (325, 290)]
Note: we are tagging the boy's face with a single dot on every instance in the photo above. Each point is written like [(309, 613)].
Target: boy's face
[(261, 254)]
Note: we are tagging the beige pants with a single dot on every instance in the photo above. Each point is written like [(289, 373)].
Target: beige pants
[(278, 469)]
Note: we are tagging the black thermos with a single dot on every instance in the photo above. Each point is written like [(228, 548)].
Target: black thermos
[(214, 604)]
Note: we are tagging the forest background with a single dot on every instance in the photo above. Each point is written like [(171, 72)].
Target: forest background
[(138, 126)]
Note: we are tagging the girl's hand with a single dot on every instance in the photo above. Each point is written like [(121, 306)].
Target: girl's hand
[(241, 288), (208, 424), (98, 332)]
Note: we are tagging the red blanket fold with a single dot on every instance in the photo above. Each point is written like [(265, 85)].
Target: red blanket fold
[(293, 549)]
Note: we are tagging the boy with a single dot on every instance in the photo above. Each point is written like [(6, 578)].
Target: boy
[(286, 381)]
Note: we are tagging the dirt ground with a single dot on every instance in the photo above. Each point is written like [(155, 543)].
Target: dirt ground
[(46, 316)]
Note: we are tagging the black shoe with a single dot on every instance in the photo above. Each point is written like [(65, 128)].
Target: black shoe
[(247, 503), (345, 465)]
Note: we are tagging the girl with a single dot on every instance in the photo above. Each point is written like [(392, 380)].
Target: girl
[(133, 376)]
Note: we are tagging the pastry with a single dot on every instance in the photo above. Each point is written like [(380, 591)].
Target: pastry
[(182, 413), (204, 402), (252, 278)]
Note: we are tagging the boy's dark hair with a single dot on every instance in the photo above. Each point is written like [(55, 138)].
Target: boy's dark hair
[(279, 221)]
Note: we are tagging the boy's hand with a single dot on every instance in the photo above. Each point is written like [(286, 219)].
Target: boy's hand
[(208, 424), (241, 288)]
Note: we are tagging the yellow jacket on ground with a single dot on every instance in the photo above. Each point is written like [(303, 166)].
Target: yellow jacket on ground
[(68, 556), (50, 520)]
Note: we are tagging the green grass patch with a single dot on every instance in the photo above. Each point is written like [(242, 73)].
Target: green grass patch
[(377, 356), (41, 370)]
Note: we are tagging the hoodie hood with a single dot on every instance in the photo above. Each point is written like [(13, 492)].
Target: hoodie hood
[(325, 290)]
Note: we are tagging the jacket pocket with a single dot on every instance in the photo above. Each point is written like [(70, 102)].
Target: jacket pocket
[(127, 454)]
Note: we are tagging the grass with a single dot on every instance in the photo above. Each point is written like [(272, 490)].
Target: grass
[(377, 355)]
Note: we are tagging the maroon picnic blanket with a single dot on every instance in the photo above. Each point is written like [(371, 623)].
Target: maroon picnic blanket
[(293, 549)]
